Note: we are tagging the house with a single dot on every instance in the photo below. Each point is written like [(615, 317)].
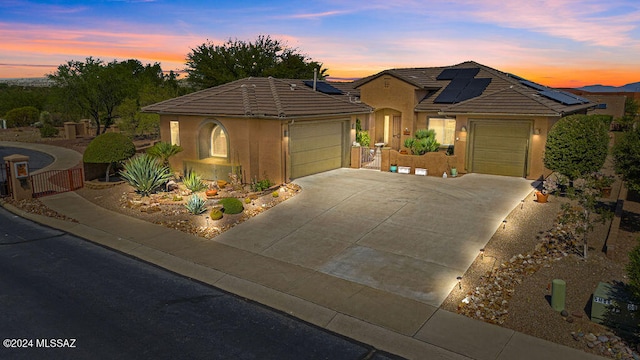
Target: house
[(496, 123), (261, 128)]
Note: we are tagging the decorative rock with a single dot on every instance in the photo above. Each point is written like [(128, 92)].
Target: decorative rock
[(570, 320), (603, 338), (564, 313), (577, 314), (590, 337)]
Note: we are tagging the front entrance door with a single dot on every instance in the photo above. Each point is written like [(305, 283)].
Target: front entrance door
[(396, 131)]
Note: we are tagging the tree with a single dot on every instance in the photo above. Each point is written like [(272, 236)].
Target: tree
[(211, 65), (577, 145), (98, 89), (631, 111), (109, 148), (626, 153)]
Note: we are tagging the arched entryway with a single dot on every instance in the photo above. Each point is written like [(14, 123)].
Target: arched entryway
[(388, 128)]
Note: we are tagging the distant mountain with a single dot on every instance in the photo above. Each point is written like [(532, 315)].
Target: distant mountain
[(633, 87), (37, 82)]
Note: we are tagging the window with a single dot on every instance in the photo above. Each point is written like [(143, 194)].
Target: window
[(175, 132), (218, 142), (445, 130)]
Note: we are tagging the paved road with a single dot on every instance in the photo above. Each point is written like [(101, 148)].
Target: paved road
[(57, 286)]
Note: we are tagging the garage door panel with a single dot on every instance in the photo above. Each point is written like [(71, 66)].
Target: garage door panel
[(316, 147), (500, 148)]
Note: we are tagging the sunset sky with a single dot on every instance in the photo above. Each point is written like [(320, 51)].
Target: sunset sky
[(563, 43)]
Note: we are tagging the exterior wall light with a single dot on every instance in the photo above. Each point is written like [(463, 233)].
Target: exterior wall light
[(536, 131)]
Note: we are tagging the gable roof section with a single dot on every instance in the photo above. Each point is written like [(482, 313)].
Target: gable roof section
[(503, 94), (260, 97)]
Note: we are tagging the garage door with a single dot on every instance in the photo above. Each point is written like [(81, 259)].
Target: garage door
[(316, 147), (500, 147)]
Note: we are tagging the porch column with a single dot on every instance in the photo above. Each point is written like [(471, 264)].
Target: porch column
[(20, 180)]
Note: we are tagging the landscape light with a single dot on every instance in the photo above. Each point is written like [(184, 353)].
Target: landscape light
[(459, 282)]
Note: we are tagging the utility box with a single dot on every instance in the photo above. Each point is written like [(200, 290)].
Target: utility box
[(558, 294), (613, 306)]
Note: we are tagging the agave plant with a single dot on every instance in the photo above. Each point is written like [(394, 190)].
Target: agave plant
[(196, 205), (145, 173), (193, 182)]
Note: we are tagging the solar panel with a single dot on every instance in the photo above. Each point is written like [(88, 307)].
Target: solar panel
[(561, 97), (533, 85), (468, 73), (323, 87), (473, 89), (451, 92), (448, 74)]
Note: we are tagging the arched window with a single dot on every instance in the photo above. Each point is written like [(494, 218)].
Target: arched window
[(218, 142)]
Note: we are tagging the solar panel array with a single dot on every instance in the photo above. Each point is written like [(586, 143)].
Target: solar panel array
[(562, 97), (463, 85), (323, 87)]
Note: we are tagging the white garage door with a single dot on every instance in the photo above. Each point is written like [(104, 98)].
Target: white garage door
[(316, 147), (500, 147)]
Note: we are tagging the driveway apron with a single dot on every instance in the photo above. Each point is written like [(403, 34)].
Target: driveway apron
[(403, 234)]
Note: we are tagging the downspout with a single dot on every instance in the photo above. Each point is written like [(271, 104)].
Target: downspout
[(315, 78)]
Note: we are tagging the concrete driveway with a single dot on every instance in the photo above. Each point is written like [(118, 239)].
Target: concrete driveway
[(403, 234)]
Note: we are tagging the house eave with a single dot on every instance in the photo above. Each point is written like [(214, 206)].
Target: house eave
[(450, 113), (258, 116)]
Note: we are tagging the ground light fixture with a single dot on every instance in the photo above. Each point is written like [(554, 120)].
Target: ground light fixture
[(504, 224), (521, 204), (459, 278), (482, 254)]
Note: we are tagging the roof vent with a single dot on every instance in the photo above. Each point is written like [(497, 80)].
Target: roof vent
[(292, 86)]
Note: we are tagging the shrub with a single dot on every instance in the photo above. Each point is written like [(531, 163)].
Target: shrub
[(424, 142), (193, 182), (247, 200), (22, 116), (577, 145), (164, 151), (109, 148), (232, 206), (145, 173), (275, 193), (196, 205), (261, 185), (633, 271), (216, 214), (47, 131), (626, 153)]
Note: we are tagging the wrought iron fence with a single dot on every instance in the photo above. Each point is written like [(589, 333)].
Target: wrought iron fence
[(56, 181)]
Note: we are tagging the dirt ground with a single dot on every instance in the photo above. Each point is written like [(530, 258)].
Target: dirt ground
[(523, 300)]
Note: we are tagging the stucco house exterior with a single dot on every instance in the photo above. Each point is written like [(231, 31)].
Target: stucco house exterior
[(497, 123), (261, 128), (494, 122)]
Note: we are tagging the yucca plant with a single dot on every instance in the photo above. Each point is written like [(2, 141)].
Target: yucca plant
[(196, 205), (193, 182), (145, 173)]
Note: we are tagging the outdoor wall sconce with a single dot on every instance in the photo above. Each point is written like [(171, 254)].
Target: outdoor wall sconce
[(459, 278), (286, 133), (406, 131), (536, 131), (353, 126), (463, 129)]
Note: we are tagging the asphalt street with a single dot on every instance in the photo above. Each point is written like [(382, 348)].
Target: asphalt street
[(63, 297)]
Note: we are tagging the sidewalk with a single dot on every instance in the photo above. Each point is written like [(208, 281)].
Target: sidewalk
[(388, 322)]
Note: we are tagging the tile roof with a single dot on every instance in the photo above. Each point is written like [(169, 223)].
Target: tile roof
[(505, 94), (262, 97)]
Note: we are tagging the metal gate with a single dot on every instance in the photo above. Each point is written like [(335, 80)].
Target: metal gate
[(370, 158), (56, 181), (4, 180)]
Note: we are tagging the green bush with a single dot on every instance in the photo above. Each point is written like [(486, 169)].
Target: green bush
[(216, 214), (145, 174), (47, 131), (424, 142), (261, 185), (164, 151), (626, 153), (633, 271), (196, 205), (577, 145), (193, 182), (22, 116), (109, 148), (232, 206)]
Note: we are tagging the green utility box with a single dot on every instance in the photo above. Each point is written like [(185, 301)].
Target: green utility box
[(558, 294), (612, 306)]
